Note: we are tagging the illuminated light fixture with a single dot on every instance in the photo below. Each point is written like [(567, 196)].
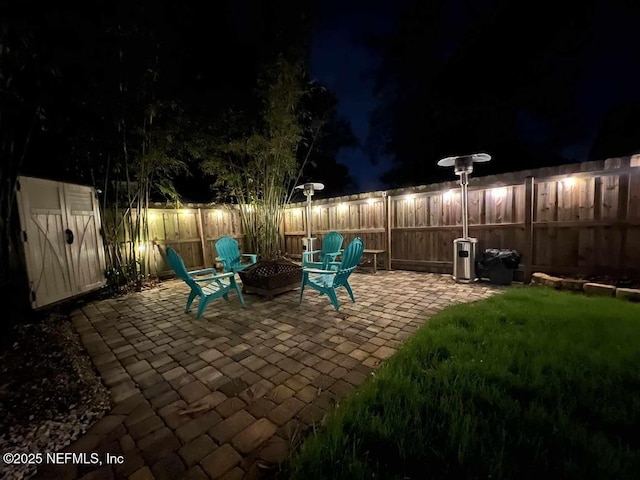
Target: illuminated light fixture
[(500, 192), (408, 198), (152, 216), (342, 207), (219, 213), (371, 201), (569, 182), (249, 208), (141, 248), (184, 212), (448, 195), (316, 208)]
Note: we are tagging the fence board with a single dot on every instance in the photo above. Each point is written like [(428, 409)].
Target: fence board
[(435, 210), (632, 252), (546, 201), (633, 210), (610, 185), (474, 206)]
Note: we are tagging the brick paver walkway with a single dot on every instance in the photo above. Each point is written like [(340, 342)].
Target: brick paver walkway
[(225, 396)]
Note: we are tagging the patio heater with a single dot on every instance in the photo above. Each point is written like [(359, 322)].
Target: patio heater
[(308, 189), (464, 249)]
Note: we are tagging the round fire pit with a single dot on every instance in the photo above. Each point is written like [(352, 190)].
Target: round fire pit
[(271, 277)]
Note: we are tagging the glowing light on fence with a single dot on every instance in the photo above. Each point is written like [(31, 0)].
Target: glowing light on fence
[(249, 208), (408, 198), (152, 216), (142, 248), (219, 213), (184, 212), (342, 207), (498, 193), (371, 201), (569, 182), (316, 209), (448, 195)]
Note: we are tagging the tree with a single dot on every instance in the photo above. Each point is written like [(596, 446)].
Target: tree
[(480, 85), (23, 80), (259, 169), (619, 133), (101, 98), (325, 133)]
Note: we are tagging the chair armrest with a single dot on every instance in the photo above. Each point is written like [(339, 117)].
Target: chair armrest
[(318, 270), (215, 277), (312, 265), (226, 260), (254, 257), (204, 271)]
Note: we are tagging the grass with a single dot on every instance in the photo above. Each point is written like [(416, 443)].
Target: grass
[(524, 385)]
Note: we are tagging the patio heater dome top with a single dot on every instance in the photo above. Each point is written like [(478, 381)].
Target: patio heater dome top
[(309, 188), (464, 163)]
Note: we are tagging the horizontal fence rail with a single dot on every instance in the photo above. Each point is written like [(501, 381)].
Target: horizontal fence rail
[(578, 219)]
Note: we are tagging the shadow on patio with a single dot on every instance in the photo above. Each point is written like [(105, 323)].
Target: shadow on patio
[(229, 394)]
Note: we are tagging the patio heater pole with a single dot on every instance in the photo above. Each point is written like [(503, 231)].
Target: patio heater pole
[(464, 181), (464, 249), (309, 215), (308, 189)]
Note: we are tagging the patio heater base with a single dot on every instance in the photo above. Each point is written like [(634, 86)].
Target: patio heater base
[(464, 260)]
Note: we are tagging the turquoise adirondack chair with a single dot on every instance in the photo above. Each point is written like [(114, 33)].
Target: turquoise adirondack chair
[(327, 281), (208, 288), (230, 257), (331, 248)]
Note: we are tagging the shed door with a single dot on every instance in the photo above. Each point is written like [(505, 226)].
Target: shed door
[(63, 245), (86, 252)]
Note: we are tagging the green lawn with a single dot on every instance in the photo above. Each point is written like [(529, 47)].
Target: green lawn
[(528, 384)]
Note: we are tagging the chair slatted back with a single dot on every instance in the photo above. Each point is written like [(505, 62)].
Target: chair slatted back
[(229, 251), (350, 259), (331, 245), (177, 264)]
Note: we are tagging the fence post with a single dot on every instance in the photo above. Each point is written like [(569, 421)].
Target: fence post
[(283, 233), (387, 226), (529, 202), (623, 207), (203, 243)]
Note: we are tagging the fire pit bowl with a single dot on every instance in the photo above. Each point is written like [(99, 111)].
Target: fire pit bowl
[(271, 277)]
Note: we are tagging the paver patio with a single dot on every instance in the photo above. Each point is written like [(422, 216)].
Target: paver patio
[(227, 395)]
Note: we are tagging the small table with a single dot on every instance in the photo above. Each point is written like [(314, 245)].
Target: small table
[(375, 254)]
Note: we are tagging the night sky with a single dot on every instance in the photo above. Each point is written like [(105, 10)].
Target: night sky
[(340, 60), (458, 77), (610, 72)]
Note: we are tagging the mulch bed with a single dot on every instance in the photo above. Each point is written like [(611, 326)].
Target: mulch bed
[(50, 393)]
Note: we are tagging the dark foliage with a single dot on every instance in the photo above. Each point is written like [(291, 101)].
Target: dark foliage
[(619, 133), (492, 76)]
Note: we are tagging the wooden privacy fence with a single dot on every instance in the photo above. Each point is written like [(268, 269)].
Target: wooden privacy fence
[(191, 230), (580, 219)]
